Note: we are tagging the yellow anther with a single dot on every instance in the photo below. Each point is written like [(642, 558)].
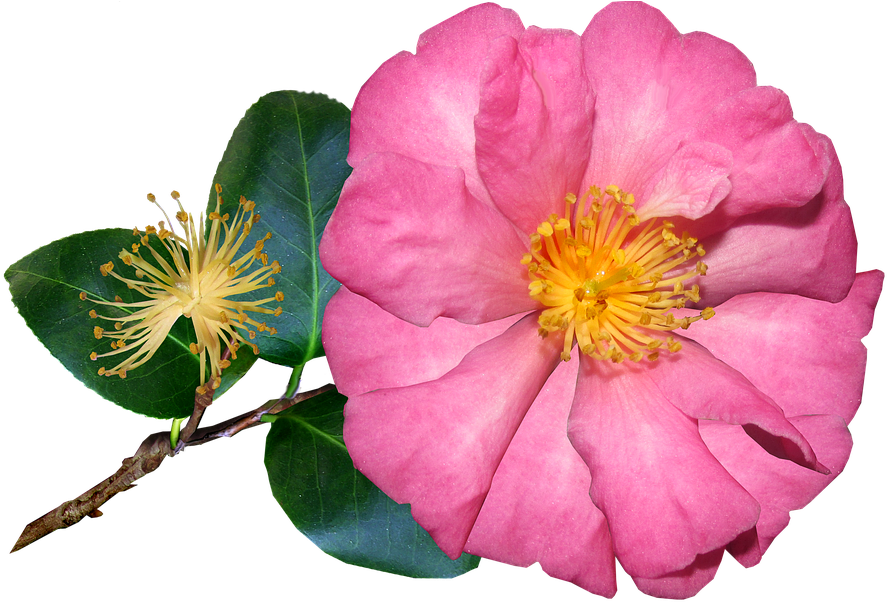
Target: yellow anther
[(545, 229), (97, 332), (83, 295), (194, 348), (708, 313), (278, 311), (699, 250), (673, 346), (182, 216), (117, 299), (271, 281), (102, 371), (701, 268), (152, 198), (218, 188), (93, 313), (278, 296), (603, 284), (174, 194), (93, 356), (223, 317)]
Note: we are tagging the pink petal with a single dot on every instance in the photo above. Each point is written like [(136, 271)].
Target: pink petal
[(368, 348), (410, 237), (693, 183), (779, 486), (423, 105), (534, 124), (538, 509), (775, 161), (803, 353), (808, 250), (725, 394), (665, 496), (436, 445), (686, 582), (653, 85)]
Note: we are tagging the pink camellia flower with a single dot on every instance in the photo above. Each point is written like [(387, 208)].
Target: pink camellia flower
[(598, 298)]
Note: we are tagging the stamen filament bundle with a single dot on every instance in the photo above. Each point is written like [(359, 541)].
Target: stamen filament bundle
[(199, 284), (601, 274)]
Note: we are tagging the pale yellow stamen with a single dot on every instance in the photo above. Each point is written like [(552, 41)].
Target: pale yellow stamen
[(195, 275)]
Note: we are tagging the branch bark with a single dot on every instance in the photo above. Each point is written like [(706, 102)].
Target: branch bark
[(147, 459)]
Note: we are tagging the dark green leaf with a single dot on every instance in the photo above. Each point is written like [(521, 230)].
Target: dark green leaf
[(340, 510), (46, 287), (287, 155)]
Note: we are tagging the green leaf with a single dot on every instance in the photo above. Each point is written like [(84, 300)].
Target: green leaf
[(340, 510), (46, 287), (287, 155)]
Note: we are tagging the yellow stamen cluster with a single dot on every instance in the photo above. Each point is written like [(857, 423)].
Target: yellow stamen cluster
[(608, 281), (197, 284)]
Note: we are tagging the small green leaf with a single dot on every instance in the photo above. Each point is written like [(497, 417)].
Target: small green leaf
[(287, 155), (46, 287), (340, 510)]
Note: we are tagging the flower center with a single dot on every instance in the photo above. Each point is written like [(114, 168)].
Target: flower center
[(610, 282)]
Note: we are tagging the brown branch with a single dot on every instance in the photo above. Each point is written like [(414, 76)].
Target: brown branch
[(232, 426), (201, 402), (203, 397), (147, 459)]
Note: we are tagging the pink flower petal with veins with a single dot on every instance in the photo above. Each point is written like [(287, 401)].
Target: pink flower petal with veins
[(436, 445), (423, 231), (538, 509), (666, 497)]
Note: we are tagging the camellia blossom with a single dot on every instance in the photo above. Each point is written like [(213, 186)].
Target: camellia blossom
[(200, 284), (599, 298)]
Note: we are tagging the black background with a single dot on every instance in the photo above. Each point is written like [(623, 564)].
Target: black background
[(104, 106)]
